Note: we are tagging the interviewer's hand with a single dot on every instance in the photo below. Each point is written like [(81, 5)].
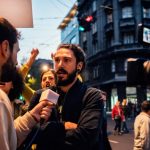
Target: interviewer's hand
[(42, 110), (70, 125)]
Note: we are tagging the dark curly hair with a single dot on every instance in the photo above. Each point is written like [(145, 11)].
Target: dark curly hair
[(8, 32), (16, 78)]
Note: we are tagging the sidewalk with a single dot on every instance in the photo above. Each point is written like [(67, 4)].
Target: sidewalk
[(124, 141)]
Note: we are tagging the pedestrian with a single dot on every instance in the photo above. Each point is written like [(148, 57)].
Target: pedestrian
[(125, 113), (80, 108), (142, 128), (117, 116), (13, 133)]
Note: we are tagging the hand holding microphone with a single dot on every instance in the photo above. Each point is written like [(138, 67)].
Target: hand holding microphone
[(42, 111), (50, 96)]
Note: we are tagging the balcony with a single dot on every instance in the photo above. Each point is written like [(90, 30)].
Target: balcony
[(127, 22), (125, 2)]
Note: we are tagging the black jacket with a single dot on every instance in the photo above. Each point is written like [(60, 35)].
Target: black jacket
[(79, 105)]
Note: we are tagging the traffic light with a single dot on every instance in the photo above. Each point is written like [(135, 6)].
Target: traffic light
[(85, 23)]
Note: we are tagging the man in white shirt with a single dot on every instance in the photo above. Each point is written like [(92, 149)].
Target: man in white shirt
[(13, 133), (142, 128)]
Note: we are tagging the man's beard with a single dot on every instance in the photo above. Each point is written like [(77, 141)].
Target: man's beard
[(6, 70), (69, 80)]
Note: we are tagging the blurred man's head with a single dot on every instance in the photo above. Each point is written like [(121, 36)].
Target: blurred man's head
[(69, 61), (48, 78), (13, 83), (145, 106), (8, 45)]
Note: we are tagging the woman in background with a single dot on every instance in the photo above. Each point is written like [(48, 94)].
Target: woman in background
[(117, 116)]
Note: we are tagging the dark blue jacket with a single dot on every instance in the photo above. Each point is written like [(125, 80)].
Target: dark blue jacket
[(79, 105)]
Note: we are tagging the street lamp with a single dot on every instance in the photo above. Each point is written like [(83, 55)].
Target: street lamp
[(45, 67)]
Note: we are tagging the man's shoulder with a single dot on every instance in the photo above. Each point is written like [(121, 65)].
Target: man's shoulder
[(95, 93), (95, 90)]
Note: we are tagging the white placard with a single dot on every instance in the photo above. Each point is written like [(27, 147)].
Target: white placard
[(18, 12)]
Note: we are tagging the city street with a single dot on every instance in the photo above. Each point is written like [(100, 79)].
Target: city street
[(124, 141)]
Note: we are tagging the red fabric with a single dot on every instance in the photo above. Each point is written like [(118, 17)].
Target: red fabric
[(115, 112)]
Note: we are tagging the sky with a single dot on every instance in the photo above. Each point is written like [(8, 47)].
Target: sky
[(47, 15)]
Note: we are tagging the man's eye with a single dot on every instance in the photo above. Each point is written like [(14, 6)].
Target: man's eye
[(66, 60), (44, 79), (56, 60), (50, 78)]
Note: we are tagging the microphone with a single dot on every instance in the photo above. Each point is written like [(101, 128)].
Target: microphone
[(50, 96)]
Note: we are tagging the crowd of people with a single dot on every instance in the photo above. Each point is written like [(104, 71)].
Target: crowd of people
[(120, 114), (74, 123), (78, 120)]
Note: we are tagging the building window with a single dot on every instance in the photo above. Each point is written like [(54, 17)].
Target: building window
[(125, 65), (127, 12), (110, 41), (95, 72), (128, 38), (109, 18), (85, 46), (113, 66), (95, 47), (146, 12), (84, 36), (73, 40), (94, 43), (94, 27), (94, 5)]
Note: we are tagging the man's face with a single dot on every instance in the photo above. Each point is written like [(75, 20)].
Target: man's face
[(11, 60), (48, 80), (14, 53), (65, 66)]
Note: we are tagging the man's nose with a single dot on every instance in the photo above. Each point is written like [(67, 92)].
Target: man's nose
[(47, 80), (60, 64)]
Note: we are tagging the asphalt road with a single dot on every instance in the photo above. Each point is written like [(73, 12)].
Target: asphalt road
[(120, 142)]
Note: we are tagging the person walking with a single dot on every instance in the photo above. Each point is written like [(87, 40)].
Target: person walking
[(117, 116), (142, 128), (125, 113)]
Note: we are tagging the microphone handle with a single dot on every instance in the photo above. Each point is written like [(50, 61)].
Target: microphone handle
[(42, 120)]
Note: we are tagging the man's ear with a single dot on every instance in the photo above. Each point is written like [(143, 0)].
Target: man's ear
[(79, 66), (5, 48)]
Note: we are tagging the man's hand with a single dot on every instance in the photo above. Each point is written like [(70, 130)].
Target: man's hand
[(34, 52), (42, 110), (70, 125)]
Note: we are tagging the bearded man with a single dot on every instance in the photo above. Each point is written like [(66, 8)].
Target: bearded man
[(79, 107)]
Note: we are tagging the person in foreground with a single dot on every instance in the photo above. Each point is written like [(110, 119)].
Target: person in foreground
[(13, 132), (80, 107), (142, 128)]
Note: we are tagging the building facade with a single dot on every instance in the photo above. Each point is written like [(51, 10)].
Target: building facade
[(69, 27), (113, 39)]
